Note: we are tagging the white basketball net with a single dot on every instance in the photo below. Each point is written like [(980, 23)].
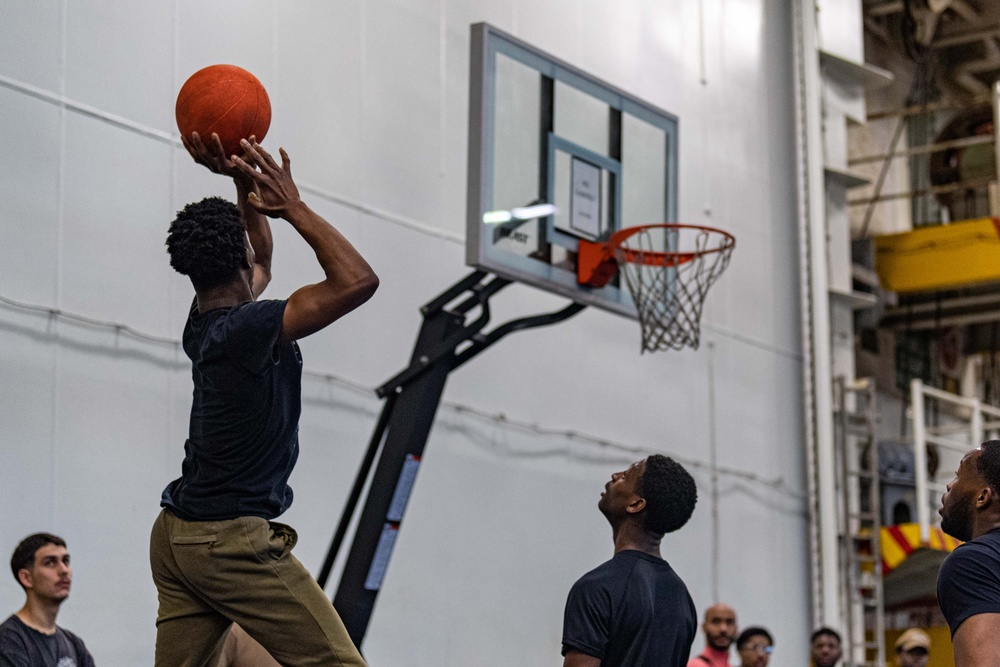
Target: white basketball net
[(669, 296)]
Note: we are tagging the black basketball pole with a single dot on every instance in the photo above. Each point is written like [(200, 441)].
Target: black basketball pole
[(411, 401)]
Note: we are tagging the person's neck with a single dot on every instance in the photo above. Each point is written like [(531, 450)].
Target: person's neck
[(224, 296), (630, 536), (985, 524), (39, 615), (717, 653)]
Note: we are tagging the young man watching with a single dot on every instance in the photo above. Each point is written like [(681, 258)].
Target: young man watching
[(634, 611), (31, 638), (720, 629), (968, 586), (217, 556), (825, 648), (754, 646)]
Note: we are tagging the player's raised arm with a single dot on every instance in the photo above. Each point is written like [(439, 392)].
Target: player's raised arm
[(349, 282), (214, 158)]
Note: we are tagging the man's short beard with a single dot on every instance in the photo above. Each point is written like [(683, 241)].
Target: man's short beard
[(958, 521), (721, 643)]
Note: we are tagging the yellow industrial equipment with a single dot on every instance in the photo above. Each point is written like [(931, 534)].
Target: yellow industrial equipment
[(940, 257)]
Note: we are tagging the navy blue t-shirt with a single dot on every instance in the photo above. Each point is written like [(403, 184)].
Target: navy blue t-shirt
[(969, 580), (243, 439), (21, 646), (632, 611)]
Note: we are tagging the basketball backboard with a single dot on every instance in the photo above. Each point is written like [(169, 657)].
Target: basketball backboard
[(557, 155)]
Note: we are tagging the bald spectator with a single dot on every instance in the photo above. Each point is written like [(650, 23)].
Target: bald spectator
[(720, 630), (913, 648)]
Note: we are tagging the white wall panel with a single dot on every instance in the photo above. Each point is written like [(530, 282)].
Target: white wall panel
[(401, 166), (111, 426), (371, 101), (236, 32), (317, 90), (552, 26), (103, 38), (31, 41), (28, 361), (118, 186), (29, 198)]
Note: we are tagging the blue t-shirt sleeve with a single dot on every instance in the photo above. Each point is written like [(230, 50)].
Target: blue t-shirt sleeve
[(969, 584), (252, 332), (587, 621)]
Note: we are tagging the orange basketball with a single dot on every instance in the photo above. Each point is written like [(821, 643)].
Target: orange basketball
[(224, 99)]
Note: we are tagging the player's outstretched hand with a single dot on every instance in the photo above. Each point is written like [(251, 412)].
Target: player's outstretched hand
[(213, 157), (278, 193)]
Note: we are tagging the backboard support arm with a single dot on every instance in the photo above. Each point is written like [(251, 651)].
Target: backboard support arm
[(412, 397)]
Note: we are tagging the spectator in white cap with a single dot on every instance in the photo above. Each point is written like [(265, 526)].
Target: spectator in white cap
[(913, 648)]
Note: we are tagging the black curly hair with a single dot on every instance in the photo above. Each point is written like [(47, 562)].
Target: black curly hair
[(750, 633), (988, 463), (670, 494), (206, 242), (24, 555)]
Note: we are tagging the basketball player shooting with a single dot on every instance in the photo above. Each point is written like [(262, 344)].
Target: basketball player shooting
[(216, 553)]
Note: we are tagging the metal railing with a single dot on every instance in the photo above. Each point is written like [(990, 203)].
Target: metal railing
[(973, 420)]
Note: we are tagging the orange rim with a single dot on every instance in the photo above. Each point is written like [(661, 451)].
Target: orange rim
[(663, 258), (598, 261)]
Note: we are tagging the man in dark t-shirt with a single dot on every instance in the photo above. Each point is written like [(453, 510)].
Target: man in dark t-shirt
[(31, 638), (634, 611), (216, 553), (968, 584)]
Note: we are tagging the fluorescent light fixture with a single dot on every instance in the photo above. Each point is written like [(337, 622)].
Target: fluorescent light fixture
[(521, 213), (531, 212), (497, 217)]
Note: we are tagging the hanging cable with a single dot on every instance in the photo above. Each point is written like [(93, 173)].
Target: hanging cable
[(497, 419)]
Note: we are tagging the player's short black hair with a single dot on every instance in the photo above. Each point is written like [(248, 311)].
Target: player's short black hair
[(988, 463), (670, 494), (206, 242), (24, 555), (830, 632), (750, 633)]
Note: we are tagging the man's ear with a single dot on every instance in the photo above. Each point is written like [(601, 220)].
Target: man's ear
[(985, 497), (636, 506), (24, 576)]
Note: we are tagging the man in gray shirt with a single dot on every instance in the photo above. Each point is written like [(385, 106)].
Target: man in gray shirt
[(31, 638)]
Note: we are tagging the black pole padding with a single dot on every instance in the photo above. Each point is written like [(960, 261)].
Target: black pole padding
[(359, 485)]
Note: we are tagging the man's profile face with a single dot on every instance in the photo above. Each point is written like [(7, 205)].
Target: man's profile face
[(719, 626), (825, 651), (958, 502), (622, 490), (50, 576)]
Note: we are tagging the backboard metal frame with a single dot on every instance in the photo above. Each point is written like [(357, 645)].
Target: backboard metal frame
[(486, 43)]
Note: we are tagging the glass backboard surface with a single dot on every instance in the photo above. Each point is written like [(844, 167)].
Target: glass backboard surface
[(542, 132)]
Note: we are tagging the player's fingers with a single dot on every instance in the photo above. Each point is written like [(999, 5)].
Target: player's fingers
[(189, 147), (245, 168), (267, 157), (198, 144), (255, 201), (286, 162), (253, 152), (217, 149)]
